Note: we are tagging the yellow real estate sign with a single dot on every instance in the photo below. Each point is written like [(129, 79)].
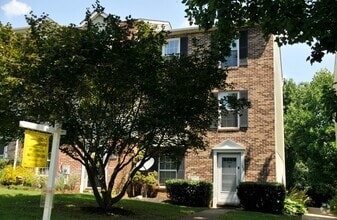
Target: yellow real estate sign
[(35, 150)]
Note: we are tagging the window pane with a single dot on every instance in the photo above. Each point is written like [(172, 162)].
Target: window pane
[(228, 174), (229, 120), (172, 47), (165, 175), (232, 60)]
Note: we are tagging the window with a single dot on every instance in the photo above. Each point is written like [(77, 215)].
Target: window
[(3, 152), (172, 48), (228, 117), (175, 47), (239, 52), (233, 59), (169, 168)]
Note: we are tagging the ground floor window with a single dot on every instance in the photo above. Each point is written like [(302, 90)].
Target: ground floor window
[(170, 168)]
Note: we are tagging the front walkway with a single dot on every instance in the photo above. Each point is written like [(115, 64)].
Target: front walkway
[(317, 214), (207, 214), (312, 214)]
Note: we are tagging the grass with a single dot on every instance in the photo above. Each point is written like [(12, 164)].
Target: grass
[(21, 203), (25, 204)]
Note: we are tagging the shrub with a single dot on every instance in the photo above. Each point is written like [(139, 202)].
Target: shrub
[(19, 175), (296, 201), (189, 193), (333, 204), (261, 196), (63, 183), (142, 180), (39, 182), (292, 207), (3, 163)]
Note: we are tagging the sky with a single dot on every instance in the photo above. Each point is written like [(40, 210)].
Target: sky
[(64, 12)]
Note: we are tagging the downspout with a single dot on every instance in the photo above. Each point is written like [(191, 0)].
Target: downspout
[(335, 87)]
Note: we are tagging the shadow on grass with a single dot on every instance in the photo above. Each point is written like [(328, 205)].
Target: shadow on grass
[(19, 204)]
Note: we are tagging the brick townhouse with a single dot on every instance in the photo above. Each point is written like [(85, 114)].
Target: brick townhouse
[(245, 147)]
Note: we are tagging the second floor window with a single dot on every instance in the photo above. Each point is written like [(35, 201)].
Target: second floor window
[(230, 117), (172, 48), (233, 59), (239, 52)]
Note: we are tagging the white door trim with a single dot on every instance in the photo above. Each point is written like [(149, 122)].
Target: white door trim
[(230, 148)]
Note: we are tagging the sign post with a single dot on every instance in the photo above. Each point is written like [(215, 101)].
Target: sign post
[(56, 131)]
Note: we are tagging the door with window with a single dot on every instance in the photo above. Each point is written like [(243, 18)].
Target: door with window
[(228, 178)]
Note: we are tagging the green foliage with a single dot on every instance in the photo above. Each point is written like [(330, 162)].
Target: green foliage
[(333, 204), (113, 92), (310, 22), (145, 184), (19, 175), (3, 163), (262, 196), (310, 137), (64, 183), (39, 182), (296, 201), (300, 196), (189, 193), (292, 207)]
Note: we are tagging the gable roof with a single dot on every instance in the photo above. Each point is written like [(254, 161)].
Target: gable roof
[(228, 145)]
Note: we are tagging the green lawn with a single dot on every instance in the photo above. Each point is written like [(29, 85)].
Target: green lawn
[(25, 204)]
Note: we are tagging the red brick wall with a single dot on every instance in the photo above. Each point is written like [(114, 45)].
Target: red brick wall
[(259, 138)]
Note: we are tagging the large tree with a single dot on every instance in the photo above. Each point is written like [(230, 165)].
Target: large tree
[(298, 21), (115, 94), (309, 136), (10, 56)]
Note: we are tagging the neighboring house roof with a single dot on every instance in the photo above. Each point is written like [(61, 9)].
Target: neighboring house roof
[(98, 17)]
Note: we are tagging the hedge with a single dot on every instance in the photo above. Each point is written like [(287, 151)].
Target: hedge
[(189, 193), (262, 196)]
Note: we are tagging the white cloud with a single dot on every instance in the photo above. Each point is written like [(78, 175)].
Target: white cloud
[(15, 8)]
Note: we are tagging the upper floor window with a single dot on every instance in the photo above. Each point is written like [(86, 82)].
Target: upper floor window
[(172, 47), (233, 59), (239, 52), (229, 117), (175, 47)]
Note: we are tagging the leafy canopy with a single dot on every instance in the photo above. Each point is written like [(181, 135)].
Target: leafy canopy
[(115, 94), (298, 21), (310, 136)]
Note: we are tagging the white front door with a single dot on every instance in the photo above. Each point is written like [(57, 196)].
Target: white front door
[(228, 172)]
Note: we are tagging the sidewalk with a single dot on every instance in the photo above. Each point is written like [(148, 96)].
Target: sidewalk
[(317, 214), (207, 214), (312, 214)]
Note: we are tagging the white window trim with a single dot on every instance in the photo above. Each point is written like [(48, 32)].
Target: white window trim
[(219, 119), (165, 46)]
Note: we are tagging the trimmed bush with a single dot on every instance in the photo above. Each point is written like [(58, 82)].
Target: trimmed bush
[(262, 197), (189, 193)]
